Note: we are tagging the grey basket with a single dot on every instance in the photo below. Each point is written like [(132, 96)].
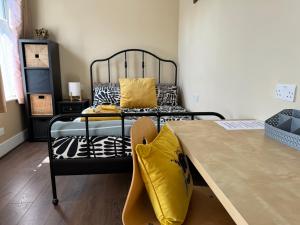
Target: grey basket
[(285, 127)]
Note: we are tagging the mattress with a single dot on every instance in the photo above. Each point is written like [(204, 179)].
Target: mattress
[(96, 128), (69, 140)]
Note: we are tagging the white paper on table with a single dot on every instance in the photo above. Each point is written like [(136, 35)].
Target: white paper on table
[(242, 124)]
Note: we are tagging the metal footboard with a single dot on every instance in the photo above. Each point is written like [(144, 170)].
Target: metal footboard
[(58, 164)]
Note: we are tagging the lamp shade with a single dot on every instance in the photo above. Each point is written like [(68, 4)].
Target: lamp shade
[(74, 89)]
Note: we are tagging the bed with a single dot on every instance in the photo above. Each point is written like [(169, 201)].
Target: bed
[(96, 147)]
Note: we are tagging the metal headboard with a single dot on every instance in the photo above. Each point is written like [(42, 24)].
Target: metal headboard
[(143, 52)]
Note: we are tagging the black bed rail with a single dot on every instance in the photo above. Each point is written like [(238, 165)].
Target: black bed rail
[(123, 116), (143, 65)]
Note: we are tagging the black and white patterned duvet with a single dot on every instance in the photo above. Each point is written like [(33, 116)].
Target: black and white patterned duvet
[(100, 147), (70, 147)]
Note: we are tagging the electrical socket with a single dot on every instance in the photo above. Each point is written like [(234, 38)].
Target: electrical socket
[(286, 92), (196, 98), (1, 131)]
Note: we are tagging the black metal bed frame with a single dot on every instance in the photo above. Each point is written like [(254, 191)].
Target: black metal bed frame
[(60, 167), (143, 64)]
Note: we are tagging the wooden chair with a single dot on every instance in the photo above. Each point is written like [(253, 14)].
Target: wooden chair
[(204, 206)]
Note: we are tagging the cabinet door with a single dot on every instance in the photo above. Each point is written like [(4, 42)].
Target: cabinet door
[(40, 128)]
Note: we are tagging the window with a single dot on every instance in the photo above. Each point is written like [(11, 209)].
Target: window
[(7, 48)]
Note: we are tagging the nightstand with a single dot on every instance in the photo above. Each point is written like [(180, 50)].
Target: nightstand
[(67, 106)]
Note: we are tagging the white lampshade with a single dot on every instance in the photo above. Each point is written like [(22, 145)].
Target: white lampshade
[(74, 89)]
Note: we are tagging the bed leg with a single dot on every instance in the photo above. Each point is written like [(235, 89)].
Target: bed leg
[(53, 182), (123, 136)]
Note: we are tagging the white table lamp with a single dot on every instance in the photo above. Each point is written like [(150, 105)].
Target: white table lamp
[(74, 91)]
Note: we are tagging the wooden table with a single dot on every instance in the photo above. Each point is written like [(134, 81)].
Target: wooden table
[(255, 178)]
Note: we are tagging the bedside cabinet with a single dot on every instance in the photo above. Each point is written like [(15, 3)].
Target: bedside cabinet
[(67, 107)]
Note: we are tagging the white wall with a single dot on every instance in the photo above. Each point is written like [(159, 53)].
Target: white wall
[(92, 29), (234, 52)]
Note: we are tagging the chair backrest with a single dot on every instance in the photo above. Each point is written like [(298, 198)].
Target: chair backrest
[(138, 209)]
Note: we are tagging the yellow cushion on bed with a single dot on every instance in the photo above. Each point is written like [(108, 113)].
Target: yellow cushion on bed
[(101, 109), (167, 178), (138, 93)]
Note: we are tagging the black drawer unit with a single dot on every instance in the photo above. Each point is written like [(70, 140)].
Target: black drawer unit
[(71, 108), (66, 107)]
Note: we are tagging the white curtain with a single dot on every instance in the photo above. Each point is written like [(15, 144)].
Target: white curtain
[(2, 97), (9, 53), (7, 60)]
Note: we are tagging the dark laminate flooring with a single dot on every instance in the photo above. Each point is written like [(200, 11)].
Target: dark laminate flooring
[(25, 192)]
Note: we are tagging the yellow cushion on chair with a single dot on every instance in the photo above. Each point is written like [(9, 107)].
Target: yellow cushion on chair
[(167, 178), (138, 93)]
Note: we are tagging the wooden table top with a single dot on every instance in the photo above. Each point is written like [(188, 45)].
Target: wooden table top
[(255, 178)]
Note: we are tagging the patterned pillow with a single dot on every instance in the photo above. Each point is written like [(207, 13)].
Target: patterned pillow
[(110, 94), (106, 94), (167, 95)]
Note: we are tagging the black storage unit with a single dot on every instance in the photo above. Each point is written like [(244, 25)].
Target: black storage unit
[(42, 84)]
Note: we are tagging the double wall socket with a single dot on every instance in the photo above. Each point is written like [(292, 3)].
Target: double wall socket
[(286, 92)]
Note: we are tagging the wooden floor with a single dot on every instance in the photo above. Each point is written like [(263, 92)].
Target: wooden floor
[(25, 192)]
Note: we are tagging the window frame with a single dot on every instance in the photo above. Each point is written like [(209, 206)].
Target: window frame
[(3, 7)]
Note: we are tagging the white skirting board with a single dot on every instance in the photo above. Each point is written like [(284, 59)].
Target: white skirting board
[(12, 142)]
